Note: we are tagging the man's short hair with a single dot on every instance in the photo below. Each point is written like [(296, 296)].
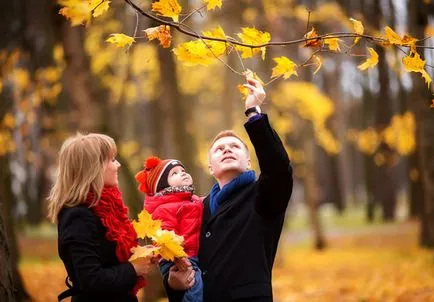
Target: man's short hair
[(226, 133)]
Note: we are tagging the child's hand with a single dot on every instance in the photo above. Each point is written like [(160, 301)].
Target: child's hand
[(182, 263)]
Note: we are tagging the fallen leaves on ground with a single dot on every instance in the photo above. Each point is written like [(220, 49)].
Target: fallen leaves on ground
[(384, 265)]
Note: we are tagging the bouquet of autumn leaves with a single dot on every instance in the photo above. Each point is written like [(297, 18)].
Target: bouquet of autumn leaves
[(165, 243)]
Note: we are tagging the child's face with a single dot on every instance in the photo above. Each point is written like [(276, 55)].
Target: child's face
[(178, 177)]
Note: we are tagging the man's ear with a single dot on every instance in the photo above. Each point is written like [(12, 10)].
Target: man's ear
[(210, 169)]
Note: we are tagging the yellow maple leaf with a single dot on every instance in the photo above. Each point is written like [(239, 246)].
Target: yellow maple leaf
[(212, 4), (146, 226), (333, 43), (284, 67), (318, 62), (218, 48), (162, 33), (249, 75), (143, 252), (121, 40), (371, 61), (414, 63), (170, 244), (392, 36), (167, 8), (314, 42), (202, 52), (252, 36), (77, 11), (99, 7), (394, 39), (358, 28)]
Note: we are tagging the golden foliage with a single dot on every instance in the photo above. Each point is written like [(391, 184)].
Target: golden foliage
[(80, 11), (202, 52), (368, 140), (121, 40), (252, 36), (162, 33), (146, 226), (311, 104), (394, 39), (313, 42), (370, 62), (400, 134), (167, 8), (212, 4), (333, 43), (170, 244), (317, 62), (143, 252), (358, 28), (284, 67), (414, 63)]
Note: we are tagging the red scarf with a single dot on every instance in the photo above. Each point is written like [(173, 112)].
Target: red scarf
[(114, 216)]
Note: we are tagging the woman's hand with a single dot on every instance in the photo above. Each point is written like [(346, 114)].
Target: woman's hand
[(181, 280), (143, 265)]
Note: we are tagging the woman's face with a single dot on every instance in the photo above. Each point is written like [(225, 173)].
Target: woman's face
[(111, 172)]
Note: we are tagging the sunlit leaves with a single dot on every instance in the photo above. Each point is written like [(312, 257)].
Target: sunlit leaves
[(252, 36), (99, 7), (368, 141), (167, 8), (310, 104), (318, 63), (370, 62), (162, 33), (143, 252), (394, 39), (358, 28), (312, 41), (333, 43), (146, 226), (212, 4), (202, 52), (120, 40), (80, 11), (414, 63), (284, 67), (170, 244), (400, 134)]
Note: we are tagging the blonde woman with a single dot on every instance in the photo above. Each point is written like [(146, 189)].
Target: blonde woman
[(94, 233)]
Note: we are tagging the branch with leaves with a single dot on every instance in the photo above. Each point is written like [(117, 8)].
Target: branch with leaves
[(210, 46)]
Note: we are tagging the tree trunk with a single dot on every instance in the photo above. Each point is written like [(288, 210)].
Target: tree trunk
[(420, 102), (7, 283)]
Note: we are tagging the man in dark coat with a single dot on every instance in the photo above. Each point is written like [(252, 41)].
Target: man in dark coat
[(243, 217)]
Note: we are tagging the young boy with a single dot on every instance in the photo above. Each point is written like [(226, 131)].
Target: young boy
[(169, 189)]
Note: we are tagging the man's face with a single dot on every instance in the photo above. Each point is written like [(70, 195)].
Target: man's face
[(228, 158)]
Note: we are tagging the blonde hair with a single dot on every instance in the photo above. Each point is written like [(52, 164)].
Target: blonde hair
[(81, 164)]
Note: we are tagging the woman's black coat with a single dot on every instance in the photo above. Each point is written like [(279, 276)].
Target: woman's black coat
[(90, 259)]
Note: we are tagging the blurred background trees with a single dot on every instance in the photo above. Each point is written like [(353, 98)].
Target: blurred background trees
[(358, 140)]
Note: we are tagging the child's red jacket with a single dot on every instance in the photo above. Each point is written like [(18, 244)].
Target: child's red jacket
[(181, 213)]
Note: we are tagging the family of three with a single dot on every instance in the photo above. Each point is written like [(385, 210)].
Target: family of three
[(230, 236)]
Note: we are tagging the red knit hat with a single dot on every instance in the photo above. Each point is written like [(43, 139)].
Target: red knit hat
[(151, 177)]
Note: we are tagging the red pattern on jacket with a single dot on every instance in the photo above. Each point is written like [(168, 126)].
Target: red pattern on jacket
[(181, 213)]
